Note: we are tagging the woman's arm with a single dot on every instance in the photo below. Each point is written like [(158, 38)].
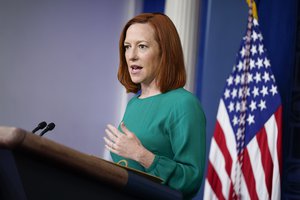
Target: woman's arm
[(185, 170)]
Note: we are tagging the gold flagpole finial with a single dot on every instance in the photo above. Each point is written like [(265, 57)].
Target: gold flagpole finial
[(254, 10)]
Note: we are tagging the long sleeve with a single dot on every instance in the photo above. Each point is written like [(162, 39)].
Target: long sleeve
[(184, 171)]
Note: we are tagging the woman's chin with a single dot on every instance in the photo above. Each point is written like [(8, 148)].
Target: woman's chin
[(136, 81)]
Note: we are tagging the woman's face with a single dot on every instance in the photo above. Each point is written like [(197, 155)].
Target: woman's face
[(142, 54)]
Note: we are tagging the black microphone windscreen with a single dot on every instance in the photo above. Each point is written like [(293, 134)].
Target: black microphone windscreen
[(41, 125), (50, 127)]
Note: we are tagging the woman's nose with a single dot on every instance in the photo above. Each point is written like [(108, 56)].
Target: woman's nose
[(133, 55)]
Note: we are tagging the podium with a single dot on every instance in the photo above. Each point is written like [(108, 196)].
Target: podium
[(34, 167)]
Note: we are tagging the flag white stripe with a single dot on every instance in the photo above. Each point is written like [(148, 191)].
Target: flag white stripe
[(272, 134), (258, 170), (209, 194), (224, 120), (218, 161)]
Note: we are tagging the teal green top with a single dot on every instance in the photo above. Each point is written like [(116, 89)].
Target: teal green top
[(172, 126)]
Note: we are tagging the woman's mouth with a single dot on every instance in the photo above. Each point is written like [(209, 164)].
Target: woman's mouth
[(135, 69)]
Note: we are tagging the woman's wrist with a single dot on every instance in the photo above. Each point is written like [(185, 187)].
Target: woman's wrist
[(145, 157)]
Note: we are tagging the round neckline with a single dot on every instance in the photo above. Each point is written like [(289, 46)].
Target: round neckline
[(150, 97), (155, 96)]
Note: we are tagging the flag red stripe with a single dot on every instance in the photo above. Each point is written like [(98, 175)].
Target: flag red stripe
[(249, 176), (214, 181), (231, 192), (221, 142), (266, 158), (278, 115)]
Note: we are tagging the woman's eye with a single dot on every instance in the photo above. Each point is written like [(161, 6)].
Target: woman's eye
[(142, 46), (126, 47)]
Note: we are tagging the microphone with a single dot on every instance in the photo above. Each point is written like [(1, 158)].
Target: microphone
[(41, 125), (50, 127)]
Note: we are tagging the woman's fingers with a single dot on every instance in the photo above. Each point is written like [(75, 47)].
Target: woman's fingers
[(113, 130), (111, 136), (111, 146), (125, 130), (108, 142)]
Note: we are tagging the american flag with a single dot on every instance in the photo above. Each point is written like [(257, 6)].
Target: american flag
[(245, 152)]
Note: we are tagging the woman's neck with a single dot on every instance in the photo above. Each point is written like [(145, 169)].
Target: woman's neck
[(149, 90)]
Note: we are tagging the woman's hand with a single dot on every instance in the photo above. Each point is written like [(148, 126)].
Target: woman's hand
[(127, 145)]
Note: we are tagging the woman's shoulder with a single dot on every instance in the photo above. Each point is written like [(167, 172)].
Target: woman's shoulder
[(185, 103), (181, 95)]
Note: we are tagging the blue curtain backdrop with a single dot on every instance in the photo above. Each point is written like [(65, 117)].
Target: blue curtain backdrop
[(154, 6), (278, 25)]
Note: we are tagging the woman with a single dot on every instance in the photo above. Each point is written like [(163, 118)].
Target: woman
[(163, 129)]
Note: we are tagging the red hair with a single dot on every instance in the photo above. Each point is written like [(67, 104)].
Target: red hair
[(171, 70)]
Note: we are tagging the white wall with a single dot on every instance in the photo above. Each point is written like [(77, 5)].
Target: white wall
[(58, 63)]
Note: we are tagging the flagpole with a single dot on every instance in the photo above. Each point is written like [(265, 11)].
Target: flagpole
[(241, 131)]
